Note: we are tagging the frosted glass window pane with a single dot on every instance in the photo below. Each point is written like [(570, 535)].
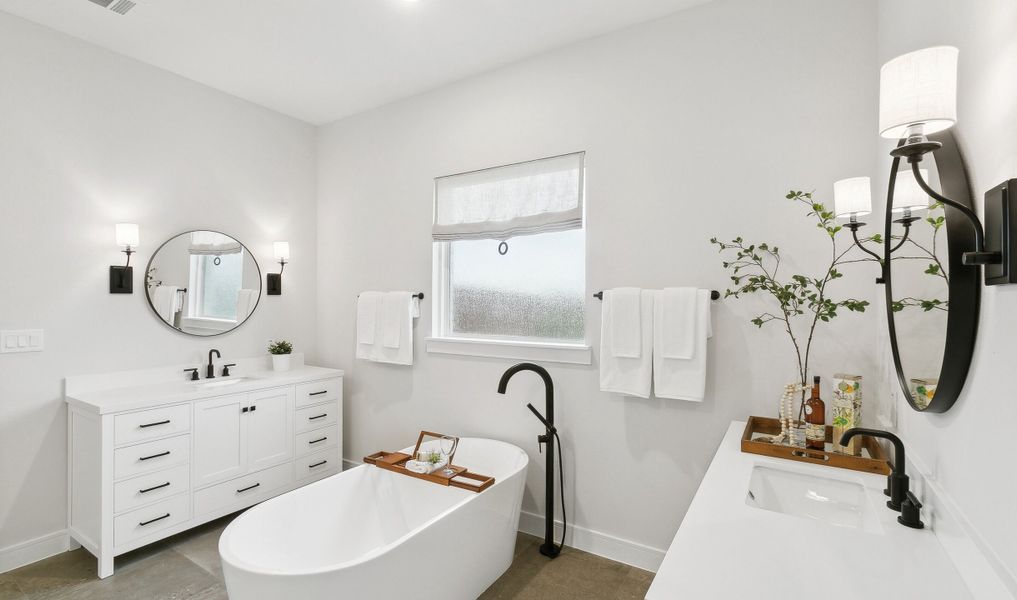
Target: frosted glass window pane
[(534, 291), (221, 283)]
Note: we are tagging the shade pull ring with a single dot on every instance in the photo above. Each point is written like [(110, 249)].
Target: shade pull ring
[(503, 248)]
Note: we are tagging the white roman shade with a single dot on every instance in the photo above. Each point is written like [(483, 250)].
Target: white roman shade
[(213, 243), (538, 196)]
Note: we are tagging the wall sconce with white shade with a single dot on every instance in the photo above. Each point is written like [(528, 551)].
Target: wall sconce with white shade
[(121, 279), (281, 250)]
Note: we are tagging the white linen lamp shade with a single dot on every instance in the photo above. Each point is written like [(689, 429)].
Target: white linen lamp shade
[(281, 250), (127, 235), (918, 92), (852, 197), (907, 194)]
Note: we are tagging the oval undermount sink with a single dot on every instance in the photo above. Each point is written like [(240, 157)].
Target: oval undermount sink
[(839, 502), (205, 385)]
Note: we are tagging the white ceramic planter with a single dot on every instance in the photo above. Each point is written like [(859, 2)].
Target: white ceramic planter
[(280, 362)]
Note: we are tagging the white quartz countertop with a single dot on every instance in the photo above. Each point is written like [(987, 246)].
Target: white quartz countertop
[(728, 549), (135, 397)]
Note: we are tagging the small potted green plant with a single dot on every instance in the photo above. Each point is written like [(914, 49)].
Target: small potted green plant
[(280, 352)]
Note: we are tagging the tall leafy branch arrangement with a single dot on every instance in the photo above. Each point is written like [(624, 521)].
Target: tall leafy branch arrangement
[(803, 301)]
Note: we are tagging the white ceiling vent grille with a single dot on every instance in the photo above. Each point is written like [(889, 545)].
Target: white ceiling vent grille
[(102, 3), (123, 6)]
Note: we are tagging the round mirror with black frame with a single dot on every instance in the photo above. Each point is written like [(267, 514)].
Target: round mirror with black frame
[(932, 298), (203, 283)]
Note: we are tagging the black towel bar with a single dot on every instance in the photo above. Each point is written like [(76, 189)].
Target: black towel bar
[(714, 295)]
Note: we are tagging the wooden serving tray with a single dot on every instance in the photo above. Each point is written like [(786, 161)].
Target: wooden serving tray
[(875, 462), (396, 462)]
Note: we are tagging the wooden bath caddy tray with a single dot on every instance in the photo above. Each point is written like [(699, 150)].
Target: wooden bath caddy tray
[(875, 462), (396, 462)]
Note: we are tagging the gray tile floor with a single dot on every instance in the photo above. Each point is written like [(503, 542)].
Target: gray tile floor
[(186, 567)]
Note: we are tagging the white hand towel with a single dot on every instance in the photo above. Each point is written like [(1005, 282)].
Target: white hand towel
[(684, 379), (396, 308), (674, 322), (626, 333), (246, 301), (625, 375), (367, 316), (419, 466), (164, 299)]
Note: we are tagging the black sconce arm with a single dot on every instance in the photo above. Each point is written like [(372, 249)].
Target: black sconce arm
[(854, 233), (979, 256)]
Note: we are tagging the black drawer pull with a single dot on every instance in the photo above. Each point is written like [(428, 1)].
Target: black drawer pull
[(166, 453), (151, 489), (318, 393), (317, 440), (154, 424), (317, 464), (318, 417), (250, 487), (254, 408), (143, 523)]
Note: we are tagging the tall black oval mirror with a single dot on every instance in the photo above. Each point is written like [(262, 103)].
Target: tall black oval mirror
[(932, 299), (203, 283)]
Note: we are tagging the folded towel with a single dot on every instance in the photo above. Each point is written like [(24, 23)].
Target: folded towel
[(674, 322), (684, 379), (246, 301), (164, 301), (367, 315), (627, 375), (419, 466), (396, 310), (626, 333)]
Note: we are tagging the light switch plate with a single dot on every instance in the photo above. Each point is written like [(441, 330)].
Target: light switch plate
[(21, 340)]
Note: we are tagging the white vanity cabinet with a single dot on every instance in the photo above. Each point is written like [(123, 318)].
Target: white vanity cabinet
[(148, 461)]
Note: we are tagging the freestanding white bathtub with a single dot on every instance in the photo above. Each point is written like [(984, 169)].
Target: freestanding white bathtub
[(368, 533)]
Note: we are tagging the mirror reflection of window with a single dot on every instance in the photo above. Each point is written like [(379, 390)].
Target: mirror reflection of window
[(216, 281)]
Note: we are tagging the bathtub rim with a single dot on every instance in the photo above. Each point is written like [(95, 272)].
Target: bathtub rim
[(230, 558)]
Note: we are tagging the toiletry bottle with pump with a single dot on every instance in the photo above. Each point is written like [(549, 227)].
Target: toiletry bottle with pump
[(815, 419)]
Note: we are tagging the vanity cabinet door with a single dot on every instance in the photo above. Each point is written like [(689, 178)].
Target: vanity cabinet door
[(269, 422), (220, 439)]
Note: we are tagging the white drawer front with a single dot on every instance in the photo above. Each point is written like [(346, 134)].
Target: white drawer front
[(319, 391), (242, 491), (152, 423), (314, 417), (317, 439), (151, 456), (317, 465), (151, 519), (144, 489)]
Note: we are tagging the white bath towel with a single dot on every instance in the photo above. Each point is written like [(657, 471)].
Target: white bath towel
[(419, 466), (246, 301), (674, 322), (626, 330), (367, 316), (626, 375), (396, 310), (678, 378), (164, 301)]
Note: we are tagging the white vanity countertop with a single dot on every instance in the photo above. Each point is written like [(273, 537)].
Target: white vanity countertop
[(728, 549), (146, 396)]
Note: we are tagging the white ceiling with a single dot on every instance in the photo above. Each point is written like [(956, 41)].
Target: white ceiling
[(320, 60)]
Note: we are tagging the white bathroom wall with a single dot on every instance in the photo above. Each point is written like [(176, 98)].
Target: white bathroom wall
[(967, 450), (90, 138), (695, 125)]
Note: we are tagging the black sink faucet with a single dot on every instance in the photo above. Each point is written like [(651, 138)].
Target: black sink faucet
[(548, 548), (210, 370), (897, 481)]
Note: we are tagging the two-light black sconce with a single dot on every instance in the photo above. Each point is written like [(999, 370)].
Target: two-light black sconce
[(918, 98)]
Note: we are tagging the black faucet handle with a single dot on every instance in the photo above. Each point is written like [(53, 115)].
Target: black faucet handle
[(536, 413), (910, 512), (193, 372), (226, 369)]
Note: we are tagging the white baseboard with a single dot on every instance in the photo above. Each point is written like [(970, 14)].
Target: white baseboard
[(616, 549), (26, 553)]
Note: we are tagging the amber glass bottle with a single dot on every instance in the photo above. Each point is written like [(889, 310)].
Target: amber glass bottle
[(815, 419)]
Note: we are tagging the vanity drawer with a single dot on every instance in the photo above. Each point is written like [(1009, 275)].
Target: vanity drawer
[(145, 489), (314, 417), (318, 439), (321, 463), (319, 391), (253, 487), (151, 456), (152, 423), (151, 519)]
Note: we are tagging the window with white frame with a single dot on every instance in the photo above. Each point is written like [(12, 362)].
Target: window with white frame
[(510, 253)]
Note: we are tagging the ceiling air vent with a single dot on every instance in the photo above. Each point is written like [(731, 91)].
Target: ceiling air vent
[(122, 6), (102, 3)]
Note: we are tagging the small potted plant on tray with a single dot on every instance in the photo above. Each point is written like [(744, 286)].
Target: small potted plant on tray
[(280, 352)]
